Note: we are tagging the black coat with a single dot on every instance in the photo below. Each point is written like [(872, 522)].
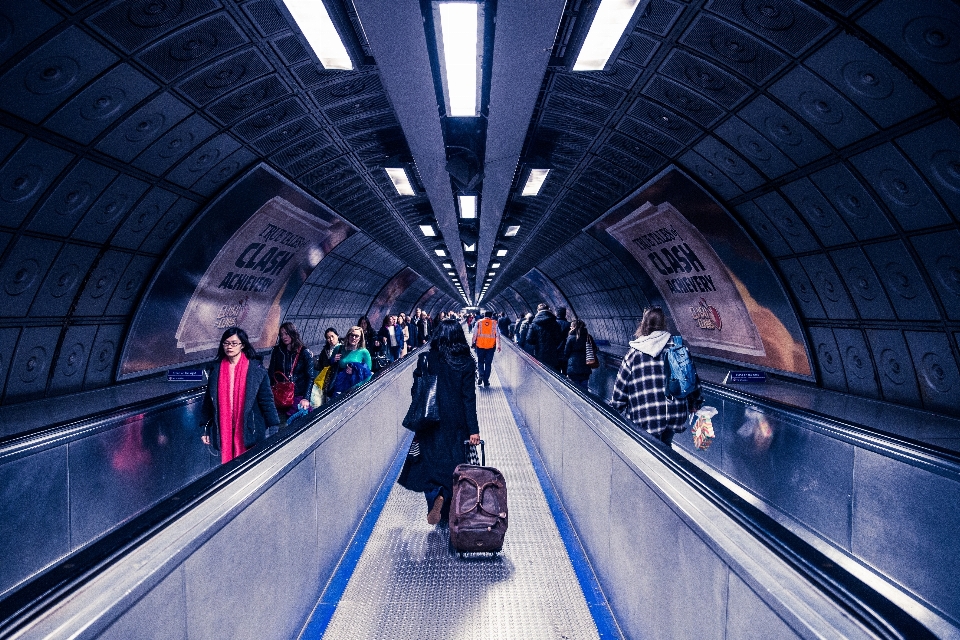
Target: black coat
[(575, 355), (544, 338), (441, 448), (302, 375), (258, 409)]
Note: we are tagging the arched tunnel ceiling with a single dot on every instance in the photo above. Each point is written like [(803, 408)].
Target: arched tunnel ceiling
[(828, 128)]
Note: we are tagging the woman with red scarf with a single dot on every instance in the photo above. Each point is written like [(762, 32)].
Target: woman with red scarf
[(238, 405)]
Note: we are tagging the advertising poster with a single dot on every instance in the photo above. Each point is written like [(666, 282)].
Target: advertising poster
[(240, 263), (386, 299), (717, 288)]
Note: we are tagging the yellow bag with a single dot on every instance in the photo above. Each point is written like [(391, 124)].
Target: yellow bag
[(317, 395)]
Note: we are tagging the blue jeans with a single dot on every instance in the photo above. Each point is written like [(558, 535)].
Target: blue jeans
[(484, 364)]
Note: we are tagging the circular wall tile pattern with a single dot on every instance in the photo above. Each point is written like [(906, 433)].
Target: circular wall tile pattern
[(63, 282), (896, 278), (753, 147), (23, 278), (933, 38), (858, 364), (815, 214), (113, 209), (850, 203), (829, 357), (357, 86), (820, 107), (104, 356), (733, 48), (225, 76), (892, 368), (861, 283), (72, 360), (75, 200), (867, 79), (934, 372), (147, 127), (146, 216), (169, 227), (24, 183), (948, 272), (946, 168), (782, 131), (704, 78), (802, 287), (247, 99), (197, 45), (769, 14), (104, 282), (35, 365), (107, 103), (828, 286), (205, 160), (153, 13), (52, 75), (900, 188), (730, 163), (131, 284), (175, 146)]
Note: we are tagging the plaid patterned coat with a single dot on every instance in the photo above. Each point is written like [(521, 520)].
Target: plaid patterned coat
[(638, 394)]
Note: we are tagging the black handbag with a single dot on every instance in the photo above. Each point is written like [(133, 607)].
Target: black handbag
[(423, 412)]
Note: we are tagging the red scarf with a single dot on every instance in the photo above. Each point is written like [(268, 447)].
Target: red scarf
[(231, 408)]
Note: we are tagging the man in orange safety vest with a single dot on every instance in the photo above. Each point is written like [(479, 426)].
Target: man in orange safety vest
[(486, 338)]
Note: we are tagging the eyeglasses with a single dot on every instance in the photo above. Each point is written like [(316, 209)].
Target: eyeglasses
[(353, 335), (232, 343)]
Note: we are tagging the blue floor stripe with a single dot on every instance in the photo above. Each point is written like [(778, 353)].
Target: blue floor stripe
[(607, 625), (323, 612)]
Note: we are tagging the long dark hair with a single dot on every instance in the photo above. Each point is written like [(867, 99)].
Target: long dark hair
[(247, 350), (578, 329), (364, 324), (653, 320), (295, 341), (450, 342)]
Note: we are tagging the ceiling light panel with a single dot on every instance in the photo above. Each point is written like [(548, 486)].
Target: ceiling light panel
[(428, 230), (458, 46), (512, 230), (440, 252), (534, 182), (501, 253), (468, 206), (401, 181), (608, 25), (314, 22)]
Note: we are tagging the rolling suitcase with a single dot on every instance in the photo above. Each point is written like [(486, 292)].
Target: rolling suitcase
[(478, 510)]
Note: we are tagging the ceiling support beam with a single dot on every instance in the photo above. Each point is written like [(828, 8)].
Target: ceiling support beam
[(523, 43)]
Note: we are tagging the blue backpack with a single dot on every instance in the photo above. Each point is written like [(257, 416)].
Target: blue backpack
[(682, 378)]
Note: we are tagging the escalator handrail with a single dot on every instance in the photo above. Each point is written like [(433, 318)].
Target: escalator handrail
[(870, 608)]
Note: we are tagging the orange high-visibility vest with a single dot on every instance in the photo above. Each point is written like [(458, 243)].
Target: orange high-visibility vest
[(486, 334)]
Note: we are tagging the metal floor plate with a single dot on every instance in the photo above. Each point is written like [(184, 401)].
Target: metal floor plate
[(407, 583)]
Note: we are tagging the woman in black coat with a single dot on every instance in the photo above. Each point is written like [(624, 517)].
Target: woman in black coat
[(295, 363), (237, 408), (575, 355), (441, 448)]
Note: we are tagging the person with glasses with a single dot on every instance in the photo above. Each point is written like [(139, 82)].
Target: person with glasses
[(353, 362), (238, 403)]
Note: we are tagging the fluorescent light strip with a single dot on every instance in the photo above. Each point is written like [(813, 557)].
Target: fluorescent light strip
[(428, 230), (501, 252), (440, 252), (314, 21), (468, 207), (401, 182), (447, 265), (495, 265), (512, 230), (608, 25), (534, 182), (459, 42), (469, 247)]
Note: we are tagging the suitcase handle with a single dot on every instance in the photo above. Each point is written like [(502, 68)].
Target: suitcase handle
[(483, 455)]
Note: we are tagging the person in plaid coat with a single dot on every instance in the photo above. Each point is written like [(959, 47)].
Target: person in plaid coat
[(638, 394)]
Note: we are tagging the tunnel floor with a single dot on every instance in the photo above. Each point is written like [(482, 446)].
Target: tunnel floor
[(408, 584)]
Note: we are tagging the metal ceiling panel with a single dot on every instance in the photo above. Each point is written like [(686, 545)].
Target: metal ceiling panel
[(638, 49), (683, 100), (101, 283), (580, 86), (133, 24), (713, 178), (270, 118), (141, 220), (51, 74), (897, 373), (935, 149), (905, 193), (863, 284), (110, 209), (31, 363), (131, 283), (817, 212), (22, 272), (803, 290), (940, 255), (829, 363), (831, 292), (25, 177), (815, 102), (228, 168), (733, 47), (905, 287), (753, 146), (197, 164), (196, 45), (24, 22), (72, 361), (137, 132), (101, 104), (650, 136), (783, 130), (72, 198), (789, 25), (791, 228), (925, 34), (857, 363), (659, 17), (851, 200), (938, 376), (725, 159), (718, 86), (248, 99), (169, 226), (62, 281), (868, 79), (169, 149), (103, 357)]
